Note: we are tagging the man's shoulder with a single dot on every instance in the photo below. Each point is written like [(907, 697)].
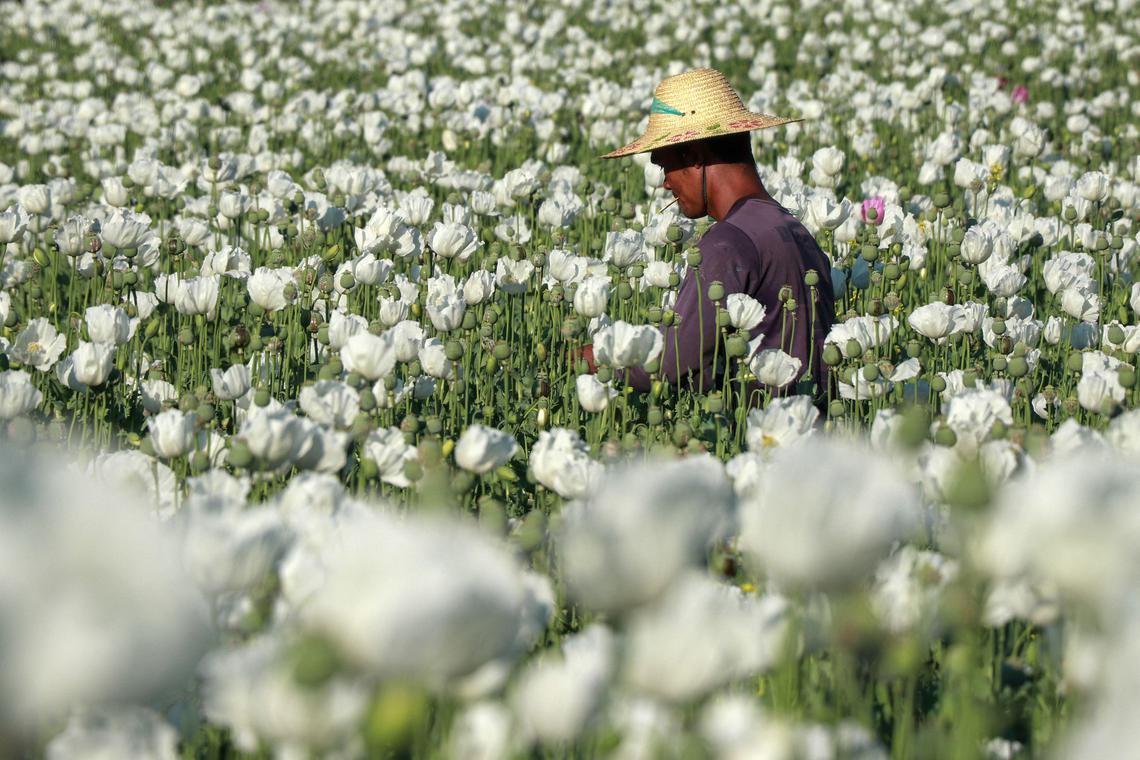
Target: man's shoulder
[(727, 237)]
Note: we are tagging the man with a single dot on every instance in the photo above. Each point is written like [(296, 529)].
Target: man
[(698, 134)]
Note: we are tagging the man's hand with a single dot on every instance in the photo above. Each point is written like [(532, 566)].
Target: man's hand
[(585, 353)]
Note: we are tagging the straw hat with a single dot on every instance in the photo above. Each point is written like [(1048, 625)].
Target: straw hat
[(692, 106)]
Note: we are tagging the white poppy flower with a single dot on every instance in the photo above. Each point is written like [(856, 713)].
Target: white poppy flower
[(481, 449)]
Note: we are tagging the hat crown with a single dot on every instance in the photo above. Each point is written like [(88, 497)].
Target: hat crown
[(696, 95)]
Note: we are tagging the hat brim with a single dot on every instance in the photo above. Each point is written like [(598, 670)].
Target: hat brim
[(745, 122)]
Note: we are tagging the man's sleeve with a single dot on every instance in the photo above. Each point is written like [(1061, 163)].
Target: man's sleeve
[(690, 342)]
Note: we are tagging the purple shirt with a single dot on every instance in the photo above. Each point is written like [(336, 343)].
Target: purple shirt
[(757, 249)]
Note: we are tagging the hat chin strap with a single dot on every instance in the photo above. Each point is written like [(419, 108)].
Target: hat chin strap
[(704, 189)]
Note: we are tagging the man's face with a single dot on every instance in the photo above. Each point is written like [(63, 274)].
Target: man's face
[(682, 178)]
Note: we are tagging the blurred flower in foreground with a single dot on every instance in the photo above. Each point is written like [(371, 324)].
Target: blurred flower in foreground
[(393, 606), (83, 621), (819, 532), (625, 544)]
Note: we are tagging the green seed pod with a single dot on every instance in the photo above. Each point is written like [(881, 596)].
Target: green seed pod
[(913, 349), (410, 424), (1127, 376), (1018, 367), (501, 351), (369, 470), (945, 436), (654, 314), (367, 400), (941, 200), (681, 433), (205, 413), (811, 278), (871, 372), (654, 416), (532, 533), (854, 349), (453, 350), (1000, 363), (1115, 334), (186, 336), (784, 294), (694, 258), (433, 424), (891, 272), (832, 355), (998, 326), (199, 462), (347, 281), (240, 456), (938, 384), (1075, 362), (624, 291), (869, 253), (605, 374), (674, 279), (737, 346), (413, 470), (261, 397), (836, 409), (716, 291), (723, 318), (714, 403)]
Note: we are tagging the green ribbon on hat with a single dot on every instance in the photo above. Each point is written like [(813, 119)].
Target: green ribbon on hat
[(659, 107)]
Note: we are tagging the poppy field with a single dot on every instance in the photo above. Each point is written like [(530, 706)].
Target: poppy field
[(302, 458)]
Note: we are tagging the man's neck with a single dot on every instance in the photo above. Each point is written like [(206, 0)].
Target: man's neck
[(730, 183)]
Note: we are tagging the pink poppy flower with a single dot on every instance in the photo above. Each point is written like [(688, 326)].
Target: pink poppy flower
[(878, 205), (1020, 94)]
